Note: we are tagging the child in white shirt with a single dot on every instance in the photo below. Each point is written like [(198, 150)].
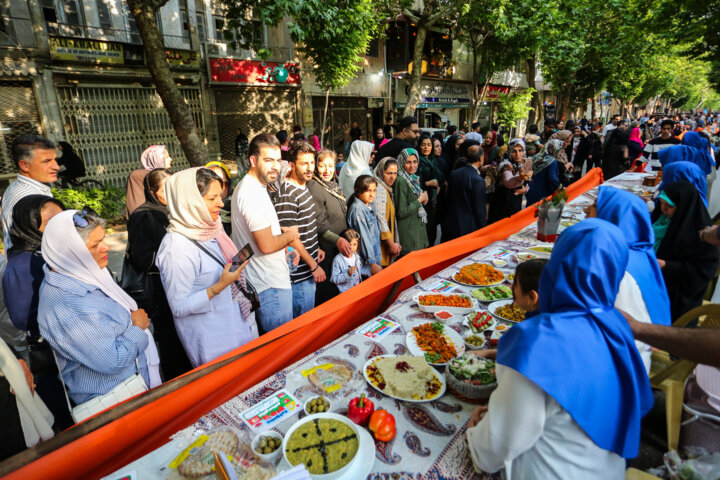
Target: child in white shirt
[(347, 271)]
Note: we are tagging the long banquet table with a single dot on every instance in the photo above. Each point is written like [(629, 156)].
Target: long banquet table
[(430, 436)]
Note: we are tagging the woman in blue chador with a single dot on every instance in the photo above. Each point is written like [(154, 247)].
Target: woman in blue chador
[(572, 387)]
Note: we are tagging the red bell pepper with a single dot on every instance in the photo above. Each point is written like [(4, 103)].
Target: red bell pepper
[(360, 409), (382, 424)]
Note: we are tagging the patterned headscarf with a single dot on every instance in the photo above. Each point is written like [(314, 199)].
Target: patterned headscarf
[(153, 157), (412, 180)]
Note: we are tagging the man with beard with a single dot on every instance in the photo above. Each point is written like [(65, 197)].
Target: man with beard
[(255, 222)]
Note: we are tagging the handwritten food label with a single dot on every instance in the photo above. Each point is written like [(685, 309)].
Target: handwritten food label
[(444, 286), (278, 407), (377, 329), (501, 253)]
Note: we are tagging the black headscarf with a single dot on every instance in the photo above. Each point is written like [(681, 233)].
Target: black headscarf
[(26, 220), (75, 167), (151, 201), (461, 156), (690, 263), (449, 149), (691, 216)]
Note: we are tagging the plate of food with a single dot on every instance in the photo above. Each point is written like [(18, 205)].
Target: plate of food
[(329, 445), (507, 311), (541, 249), (479, 274), (471, 376), (487, 336), (525, 256), (491, 294), (455, 303), (434, 341), (404, 377)]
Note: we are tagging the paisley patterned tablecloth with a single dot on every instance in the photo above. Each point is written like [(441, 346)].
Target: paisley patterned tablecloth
[(430, 440)]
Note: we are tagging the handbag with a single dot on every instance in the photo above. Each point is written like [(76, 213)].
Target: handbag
[(128, 388), (248, 291), (41, 357), (138, 285)]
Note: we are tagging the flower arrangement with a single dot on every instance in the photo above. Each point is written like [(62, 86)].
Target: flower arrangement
[(549, 211)]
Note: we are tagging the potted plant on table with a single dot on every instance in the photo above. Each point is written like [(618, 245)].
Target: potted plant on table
[(549, 211)]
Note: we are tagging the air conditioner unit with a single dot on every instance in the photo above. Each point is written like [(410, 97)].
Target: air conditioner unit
[(216, 49)]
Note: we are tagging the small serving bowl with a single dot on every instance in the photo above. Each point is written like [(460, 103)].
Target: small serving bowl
[(268, 457), (307, 404)]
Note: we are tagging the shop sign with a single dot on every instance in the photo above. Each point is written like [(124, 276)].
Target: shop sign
[(493, 91), (253, 72), (86, 51), (182, 58), (438, 95)]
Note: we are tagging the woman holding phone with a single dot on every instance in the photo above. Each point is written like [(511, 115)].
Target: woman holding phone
[(207, 294), (510, 185)]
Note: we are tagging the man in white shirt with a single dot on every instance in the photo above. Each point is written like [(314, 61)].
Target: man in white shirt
[(255, 222), (36, 161), (610, 126)]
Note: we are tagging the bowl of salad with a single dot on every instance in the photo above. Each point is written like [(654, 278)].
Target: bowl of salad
[(471, 377)]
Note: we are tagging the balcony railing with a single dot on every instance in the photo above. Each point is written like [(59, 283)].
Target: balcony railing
[(113, 35)]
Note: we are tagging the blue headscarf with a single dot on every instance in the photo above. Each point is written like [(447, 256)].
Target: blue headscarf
[(694, 149), (579, 349), (685, 171), (631, 215)]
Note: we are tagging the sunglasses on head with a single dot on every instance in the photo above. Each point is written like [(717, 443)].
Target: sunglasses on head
[(80, 218)]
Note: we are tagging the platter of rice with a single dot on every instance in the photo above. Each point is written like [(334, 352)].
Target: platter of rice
[(404, 377)]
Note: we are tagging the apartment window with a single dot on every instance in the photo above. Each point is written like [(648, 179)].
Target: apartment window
[(200, 19), (72, 12), (131, 26), (219, 27), (104, 15), (49, 12), (185, 24)]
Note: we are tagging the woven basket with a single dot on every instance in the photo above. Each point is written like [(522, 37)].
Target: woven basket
[(465, 391)]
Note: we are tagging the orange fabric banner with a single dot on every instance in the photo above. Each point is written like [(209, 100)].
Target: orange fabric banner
[(145, 429)]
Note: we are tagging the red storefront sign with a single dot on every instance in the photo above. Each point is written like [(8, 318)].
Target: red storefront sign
[(253, 72), (493, 91)]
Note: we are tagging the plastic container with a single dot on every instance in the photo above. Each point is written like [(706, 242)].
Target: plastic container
[(290, 257)]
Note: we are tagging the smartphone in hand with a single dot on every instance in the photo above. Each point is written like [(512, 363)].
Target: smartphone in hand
[(245, 253)]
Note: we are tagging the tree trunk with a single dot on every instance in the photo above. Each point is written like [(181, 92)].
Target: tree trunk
[(563, 104), (535, 114), (173, 100), (475, 112), (415, 87), (322, 131)]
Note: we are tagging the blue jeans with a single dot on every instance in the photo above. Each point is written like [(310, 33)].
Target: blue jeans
[(303, 297), (276, 308)]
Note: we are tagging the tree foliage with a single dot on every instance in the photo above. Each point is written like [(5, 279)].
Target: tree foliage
[(513, 107)]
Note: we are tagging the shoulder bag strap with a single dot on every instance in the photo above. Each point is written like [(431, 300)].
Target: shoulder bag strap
[(208, 252)]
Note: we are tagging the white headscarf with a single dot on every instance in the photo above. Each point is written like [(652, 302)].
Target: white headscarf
[(154, 157), (358, 163), (35, 418), (189, 216), (66, 253)]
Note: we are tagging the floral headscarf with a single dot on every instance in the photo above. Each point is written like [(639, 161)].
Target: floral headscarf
[(412, 180)]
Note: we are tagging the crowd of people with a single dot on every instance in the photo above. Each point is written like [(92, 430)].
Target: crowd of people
[(209, 265)]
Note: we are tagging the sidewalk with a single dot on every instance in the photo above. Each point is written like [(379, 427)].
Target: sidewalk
[(117, 243)]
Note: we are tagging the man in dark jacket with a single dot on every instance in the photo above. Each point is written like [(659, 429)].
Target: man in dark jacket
[(465, 198), (406, 135)]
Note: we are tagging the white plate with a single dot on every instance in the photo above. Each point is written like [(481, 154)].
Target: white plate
[(500, 303), (451, 334), (490, 301), (475, 285), (347, 471), (361, 467), (535, 255), (438, 376), (453, 310)]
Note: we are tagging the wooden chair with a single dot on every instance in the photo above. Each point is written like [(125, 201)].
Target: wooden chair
[(670, 375)]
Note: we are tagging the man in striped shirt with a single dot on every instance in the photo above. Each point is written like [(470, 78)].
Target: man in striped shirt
[(295, 207), (36, 161), (650, 155)]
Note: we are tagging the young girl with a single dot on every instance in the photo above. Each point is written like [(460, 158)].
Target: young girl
[(347, 271), (361, 217)]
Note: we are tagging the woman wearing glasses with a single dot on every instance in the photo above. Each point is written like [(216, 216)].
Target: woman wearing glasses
[(209, 297), (104, 351)]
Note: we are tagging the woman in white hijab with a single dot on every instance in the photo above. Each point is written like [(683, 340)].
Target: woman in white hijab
[(194, 260), (358, 163), (100, 337)]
